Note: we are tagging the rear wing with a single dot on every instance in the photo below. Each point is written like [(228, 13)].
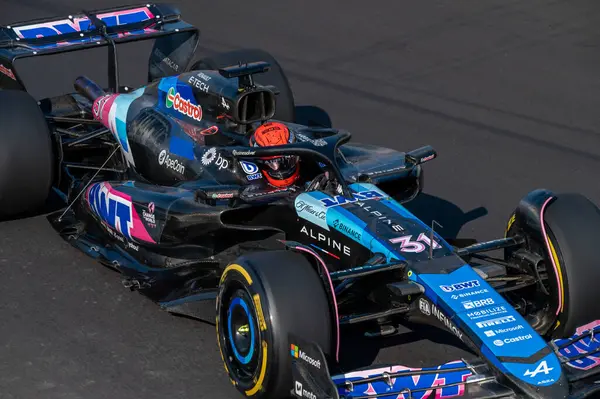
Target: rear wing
[(175, 44)]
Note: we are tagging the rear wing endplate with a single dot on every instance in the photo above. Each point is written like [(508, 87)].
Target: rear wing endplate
[(175, 44)]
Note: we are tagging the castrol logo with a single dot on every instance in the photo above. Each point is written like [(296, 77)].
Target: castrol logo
[(183, 106)]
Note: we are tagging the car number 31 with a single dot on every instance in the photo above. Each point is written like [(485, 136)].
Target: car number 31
[(407, 245)]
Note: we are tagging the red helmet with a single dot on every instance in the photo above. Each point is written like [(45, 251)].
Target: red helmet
[(280, 171)]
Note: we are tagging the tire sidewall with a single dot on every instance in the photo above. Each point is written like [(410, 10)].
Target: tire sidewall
[(560, 228), (236, 275), (26, 152), (276, 281)]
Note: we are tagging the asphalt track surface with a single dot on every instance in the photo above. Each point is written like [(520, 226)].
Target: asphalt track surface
[(507, 91)]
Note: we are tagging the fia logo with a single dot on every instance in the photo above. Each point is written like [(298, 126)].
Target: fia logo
[(424, 307)]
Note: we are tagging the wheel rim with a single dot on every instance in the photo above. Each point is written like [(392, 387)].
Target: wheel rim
[(239, 336), (240, 328)]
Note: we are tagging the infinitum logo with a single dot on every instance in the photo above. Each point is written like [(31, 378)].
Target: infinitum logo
[(181, 105), (299, 354)]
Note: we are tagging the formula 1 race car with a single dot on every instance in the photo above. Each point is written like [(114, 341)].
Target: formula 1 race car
[(161, 184)]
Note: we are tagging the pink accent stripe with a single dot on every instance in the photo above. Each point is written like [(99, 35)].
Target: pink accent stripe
[(556, 272), (335, 306)]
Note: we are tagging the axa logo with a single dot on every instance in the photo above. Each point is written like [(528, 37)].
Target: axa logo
[(464, 285), (183, 106), (360, 196)]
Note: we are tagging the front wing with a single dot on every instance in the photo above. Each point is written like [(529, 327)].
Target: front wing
[(579, 356)]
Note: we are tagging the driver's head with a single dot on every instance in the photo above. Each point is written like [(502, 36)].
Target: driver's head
[(280, 171)]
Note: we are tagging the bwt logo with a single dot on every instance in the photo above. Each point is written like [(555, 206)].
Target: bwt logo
[(112, 207), (81, 24), (460, 286), (340, 199)]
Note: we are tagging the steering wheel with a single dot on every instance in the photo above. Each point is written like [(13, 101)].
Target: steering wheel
[(326, 183)]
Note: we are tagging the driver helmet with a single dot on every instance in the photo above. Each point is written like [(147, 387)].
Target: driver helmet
[(280, 171)]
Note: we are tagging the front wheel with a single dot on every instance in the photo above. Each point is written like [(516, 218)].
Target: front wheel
[(263, 297), (562, 230)]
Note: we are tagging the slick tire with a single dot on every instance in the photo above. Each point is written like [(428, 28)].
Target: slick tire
[(285, 108), (263, 297), (569, 225), (26, 156), (573, 227)]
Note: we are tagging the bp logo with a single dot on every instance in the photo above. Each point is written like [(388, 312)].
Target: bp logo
[(183, 106)]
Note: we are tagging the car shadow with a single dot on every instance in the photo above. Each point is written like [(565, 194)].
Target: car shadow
[(449, 217), (53, 204), (358, 352)]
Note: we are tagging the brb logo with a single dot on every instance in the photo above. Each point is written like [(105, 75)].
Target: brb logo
[(81, 24), (341, 200)]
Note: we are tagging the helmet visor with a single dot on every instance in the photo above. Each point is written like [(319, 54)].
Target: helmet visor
[(280, 167)]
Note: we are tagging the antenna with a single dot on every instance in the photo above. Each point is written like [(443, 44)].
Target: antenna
[(431, 242)]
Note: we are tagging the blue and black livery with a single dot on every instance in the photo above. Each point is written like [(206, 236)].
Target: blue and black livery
[(160, 183)]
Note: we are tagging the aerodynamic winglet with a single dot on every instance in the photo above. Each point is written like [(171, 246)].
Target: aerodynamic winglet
[(310, 371), (421, 155)]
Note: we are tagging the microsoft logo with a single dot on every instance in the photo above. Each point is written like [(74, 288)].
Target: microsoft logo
[(294, 350)]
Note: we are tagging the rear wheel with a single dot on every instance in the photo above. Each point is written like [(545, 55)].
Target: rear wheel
[(263, 297), (26, 156), (285, 106)]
